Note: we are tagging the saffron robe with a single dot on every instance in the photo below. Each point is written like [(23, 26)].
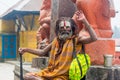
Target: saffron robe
[(59, 64)]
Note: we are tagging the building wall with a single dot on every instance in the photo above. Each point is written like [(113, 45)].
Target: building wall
[(0, 40), (7, 26), (28, 22), (28, 37), (0, 46)]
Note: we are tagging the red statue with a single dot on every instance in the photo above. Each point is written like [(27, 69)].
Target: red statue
[(98, 13), (44, 21)]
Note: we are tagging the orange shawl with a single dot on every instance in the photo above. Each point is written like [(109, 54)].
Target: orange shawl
[(59, 63)]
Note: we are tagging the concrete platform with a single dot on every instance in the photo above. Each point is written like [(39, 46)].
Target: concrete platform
[(6, 71), (26, 68), (103, 73), (94, 73)]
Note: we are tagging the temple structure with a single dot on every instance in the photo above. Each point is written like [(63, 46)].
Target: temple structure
[(99, 16)]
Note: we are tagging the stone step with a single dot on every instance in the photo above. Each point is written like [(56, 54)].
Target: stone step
[(94, 72)]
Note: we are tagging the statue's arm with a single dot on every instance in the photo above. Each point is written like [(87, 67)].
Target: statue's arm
[(45, 16), (108, 8), (45, 20)]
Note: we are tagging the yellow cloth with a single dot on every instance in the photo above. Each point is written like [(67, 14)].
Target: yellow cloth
[(59, 64)]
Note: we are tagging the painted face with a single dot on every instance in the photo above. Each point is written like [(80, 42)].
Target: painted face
[(65, 30)]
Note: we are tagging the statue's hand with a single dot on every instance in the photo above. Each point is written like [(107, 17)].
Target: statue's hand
[(80, 16)]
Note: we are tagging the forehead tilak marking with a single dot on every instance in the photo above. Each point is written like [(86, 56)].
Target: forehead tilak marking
[(64, 23)]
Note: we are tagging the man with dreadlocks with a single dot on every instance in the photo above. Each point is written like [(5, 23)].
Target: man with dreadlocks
[(61, 48)]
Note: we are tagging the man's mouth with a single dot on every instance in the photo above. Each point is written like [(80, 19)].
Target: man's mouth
[(62, 33)]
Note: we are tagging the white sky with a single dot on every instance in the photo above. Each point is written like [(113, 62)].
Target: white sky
[(6, 4), (116, 20)]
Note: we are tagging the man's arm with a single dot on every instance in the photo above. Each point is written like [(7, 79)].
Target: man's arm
[(92, 35), (38, 52)]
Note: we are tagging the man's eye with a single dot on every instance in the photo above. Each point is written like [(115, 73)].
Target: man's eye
[(67, 26), (61, 27)]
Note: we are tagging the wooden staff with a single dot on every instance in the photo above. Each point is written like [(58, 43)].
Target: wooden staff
[(21, 68)]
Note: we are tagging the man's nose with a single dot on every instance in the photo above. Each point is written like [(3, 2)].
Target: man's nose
[(65, 27)]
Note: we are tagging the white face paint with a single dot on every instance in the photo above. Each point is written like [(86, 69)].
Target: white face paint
[(65, 30), (64, 23)]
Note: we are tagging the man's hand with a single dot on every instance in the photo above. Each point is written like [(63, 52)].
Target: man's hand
[(22, 50), (80, 16)]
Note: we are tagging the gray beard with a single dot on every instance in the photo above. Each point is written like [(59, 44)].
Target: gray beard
[(65, 36)]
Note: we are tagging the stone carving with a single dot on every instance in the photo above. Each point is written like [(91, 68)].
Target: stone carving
[(44, 21), (98, 13)]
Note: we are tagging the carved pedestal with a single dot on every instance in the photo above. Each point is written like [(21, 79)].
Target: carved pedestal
[(117, 58), (39, 62), (103, 73), (97, 49)]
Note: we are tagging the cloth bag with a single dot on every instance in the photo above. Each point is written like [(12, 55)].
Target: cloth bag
[(80, 64)]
